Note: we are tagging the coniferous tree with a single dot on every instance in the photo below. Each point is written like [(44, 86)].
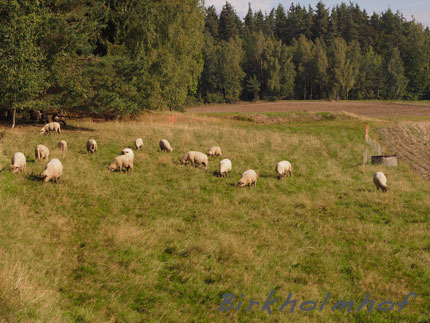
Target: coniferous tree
[(281, 29), (320, 22), (229, 25)]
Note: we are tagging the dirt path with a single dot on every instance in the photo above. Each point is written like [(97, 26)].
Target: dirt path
[(369, 109)]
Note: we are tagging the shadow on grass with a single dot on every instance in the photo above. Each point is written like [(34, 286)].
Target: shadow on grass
[(35, 177), (267, 176), (74, 128)]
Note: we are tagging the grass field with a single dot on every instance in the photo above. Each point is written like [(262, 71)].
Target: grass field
[(165, 242)]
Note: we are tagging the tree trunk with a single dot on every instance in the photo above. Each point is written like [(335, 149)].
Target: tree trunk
[(13, 118)]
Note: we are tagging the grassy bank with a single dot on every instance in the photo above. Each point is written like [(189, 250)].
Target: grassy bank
[(165, 242)]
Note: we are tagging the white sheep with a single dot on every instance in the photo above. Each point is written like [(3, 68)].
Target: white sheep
[(225, 167), (19, 162), (49, 127), (62, 145), (121, 161), (380, 181), (214, 151), (165, 146), (128, 152), (249, 177), (91, 146), (283, 168), (139, 143), (195, 158), (41, 152), (53, 171)]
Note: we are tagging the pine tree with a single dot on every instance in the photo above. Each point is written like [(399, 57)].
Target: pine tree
[(211, 21), (281, 29), (230, 24), (320, 22)]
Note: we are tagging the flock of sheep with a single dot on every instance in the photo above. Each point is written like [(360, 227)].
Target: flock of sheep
[(54, 168)]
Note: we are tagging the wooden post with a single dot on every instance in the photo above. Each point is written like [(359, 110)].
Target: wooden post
[(13, 118), (367, 133)]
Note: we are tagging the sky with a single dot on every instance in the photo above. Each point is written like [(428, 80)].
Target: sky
[(419, 9)]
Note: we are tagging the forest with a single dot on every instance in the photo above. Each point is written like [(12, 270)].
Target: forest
[(121, 57)]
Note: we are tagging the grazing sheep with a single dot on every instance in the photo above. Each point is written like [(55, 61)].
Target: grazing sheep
[(128, 152), (214, 151), (18, 162), (283, 168), (91, 146), (195, 158), (41, 152), (248, 178), (62, 145), (53, 171), (224, 167), (49, 127), (380, 181), (139, 143), (121, 161), (165, 146)]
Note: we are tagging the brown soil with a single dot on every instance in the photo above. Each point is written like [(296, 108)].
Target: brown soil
[(369, 109), (411, 141)]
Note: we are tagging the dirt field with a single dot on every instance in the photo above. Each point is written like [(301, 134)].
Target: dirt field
[(369, 109), (411, 141)]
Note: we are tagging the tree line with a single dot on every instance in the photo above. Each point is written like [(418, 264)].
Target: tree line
[(118, 57), (313, 53)]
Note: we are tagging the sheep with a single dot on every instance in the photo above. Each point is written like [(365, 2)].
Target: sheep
[(53, 171), (91, 146), (128, 152), (62, 145), (248, 178), (195, 158), (139, 143), (214, 151), (283, 168), (165, 146), (52, 126), (380, 181), (41, 152), (18, 162), (121, 161), (224, 167)]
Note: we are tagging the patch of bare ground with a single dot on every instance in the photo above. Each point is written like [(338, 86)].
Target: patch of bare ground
[(361, 108), (411, 141)]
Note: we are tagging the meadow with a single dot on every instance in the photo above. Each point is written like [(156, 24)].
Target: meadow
[(165, 242)]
